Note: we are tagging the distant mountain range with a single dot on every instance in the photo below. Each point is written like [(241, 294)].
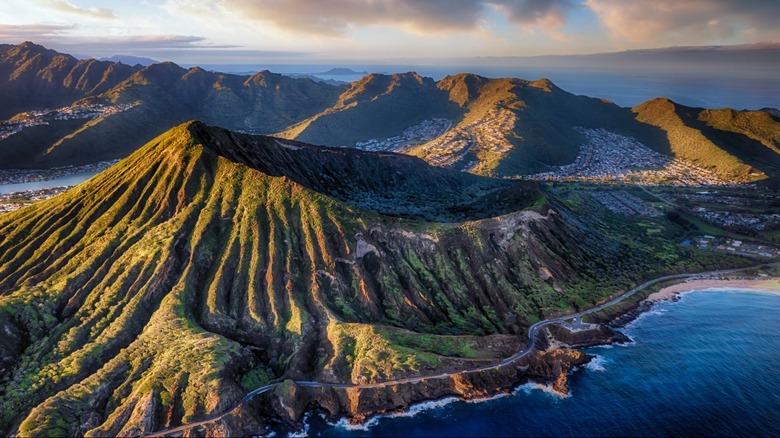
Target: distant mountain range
[(130, 60), (499, 127), (341, 71)]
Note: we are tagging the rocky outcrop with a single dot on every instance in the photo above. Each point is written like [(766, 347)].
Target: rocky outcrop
[(289, 402), (597, 334)]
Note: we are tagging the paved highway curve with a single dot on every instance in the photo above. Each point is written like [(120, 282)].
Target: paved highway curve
[(528, 348)]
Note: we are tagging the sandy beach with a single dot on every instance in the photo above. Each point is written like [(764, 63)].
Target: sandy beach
[(769, 283)]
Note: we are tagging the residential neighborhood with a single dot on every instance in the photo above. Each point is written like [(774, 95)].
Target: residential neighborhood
[(14, 201), (18, 176), (425, 131), (607, 157), (622, 202), (44, 117), (736, 246), (486, 135)]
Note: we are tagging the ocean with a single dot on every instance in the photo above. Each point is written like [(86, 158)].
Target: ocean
[(708, 365)]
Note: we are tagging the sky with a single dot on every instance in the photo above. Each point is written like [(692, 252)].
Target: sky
[(311, 31)]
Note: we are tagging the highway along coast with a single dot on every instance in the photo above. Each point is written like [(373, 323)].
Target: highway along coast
[(517, 360)]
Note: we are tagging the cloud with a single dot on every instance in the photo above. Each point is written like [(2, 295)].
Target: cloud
[(132, 44), (22, 32), (337, 18), (674, 22), (182, 48), (547, 13), (70, 8)]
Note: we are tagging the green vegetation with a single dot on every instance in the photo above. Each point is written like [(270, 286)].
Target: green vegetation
[(208, 262), (376, 107), (741, 146)]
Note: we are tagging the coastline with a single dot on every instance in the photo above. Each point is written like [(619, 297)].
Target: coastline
[(591, 337), (553, 353), (669, 292)]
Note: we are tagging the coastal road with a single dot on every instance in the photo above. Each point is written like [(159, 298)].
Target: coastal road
[(528, 348)]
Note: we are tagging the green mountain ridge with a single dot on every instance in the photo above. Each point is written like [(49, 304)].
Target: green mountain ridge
[(377, 106), (736, 144), (209, 262), (499, 127), (33, 77), (164, 96)]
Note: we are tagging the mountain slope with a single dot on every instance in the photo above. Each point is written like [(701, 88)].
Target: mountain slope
[(167, 95), (740, 145), (378, 106), (499, 127), (161, 95), (33, 77), (209, 262), (514, 126)]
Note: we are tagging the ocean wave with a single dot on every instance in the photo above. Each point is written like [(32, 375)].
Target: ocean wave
[(597, 363), (547, 389), (413, 410), (487, 399), (738, 290), (305, 431), (655, 310)]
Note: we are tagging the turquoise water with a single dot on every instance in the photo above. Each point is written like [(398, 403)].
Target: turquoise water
[(706, 365)]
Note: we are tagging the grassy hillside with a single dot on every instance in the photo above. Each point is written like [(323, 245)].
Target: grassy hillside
[(537, 130), (376, 107), (208, 262), (741, 145), (164, 96), (33, 78)]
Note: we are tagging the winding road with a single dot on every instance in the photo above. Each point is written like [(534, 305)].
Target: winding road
[(528, 348)]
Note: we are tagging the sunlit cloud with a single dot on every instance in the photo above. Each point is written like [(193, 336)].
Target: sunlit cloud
[(22, 32), (70, 8), (338, 18), (335, 18), (383, 29), (673, 22), (544, 13)]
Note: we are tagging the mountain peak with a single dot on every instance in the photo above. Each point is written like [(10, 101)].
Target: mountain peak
[(26, 48), (544, 84), (463, 87), (386, 183)]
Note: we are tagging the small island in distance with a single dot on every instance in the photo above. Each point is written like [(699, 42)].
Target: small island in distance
[(341, 71)]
